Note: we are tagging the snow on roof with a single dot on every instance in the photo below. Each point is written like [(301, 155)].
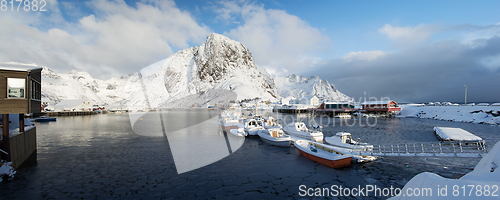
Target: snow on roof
[(69, 103), (14, 66), (376, 102), (495, 104)]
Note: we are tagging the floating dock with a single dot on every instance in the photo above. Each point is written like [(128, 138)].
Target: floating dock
[(455, 134)]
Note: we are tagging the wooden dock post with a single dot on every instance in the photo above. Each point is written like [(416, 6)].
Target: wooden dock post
[(5, 137)]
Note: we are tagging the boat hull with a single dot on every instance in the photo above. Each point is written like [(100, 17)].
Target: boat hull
[(51, 119), (325, 154), (254, 131), (227, 128), (281, 142), (329, 163), (237, 132)]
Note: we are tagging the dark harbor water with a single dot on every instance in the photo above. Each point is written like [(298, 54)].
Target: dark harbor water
[(104, 157)]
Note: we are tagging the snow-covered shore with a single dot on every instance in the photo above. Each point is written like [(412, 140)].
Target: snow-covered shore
[(471, 114), (483, 182)]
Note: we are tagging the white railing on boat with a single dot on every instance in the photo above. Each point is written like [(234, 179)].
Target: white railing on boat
[(428, 149)]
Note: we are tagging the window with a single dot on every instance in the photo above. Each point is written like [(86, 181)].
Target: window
[(35, 90), (16, 88)]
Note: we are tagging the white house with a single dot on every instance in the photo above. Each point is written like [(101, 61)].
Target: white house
[(310, 100), (286, 101)]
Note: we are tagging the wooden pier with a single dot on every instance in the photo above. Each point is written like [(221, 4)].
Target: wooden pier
[(292, 110), (71, 113)]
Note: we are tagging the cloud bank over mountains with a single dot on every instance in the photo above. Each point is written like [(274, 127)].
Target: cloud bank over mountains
[(423, 69), (423, 61)]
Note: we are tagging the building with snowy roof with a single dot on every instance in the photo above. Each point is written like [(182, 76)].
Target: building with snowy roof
[(20, 94), (309, 100), (381, 106)]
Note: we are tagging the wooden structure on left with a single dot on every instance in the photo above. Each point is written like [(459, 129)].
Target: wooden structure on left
[(20, 94)]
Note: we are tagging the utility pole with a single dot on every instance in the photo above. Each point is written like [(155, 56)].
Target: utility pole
[(465, 94)]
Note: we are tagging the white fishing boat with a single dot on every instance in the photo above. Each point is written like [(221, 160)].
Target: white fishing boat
[(229, 120), (323, 154), (343, 116), (299, 130), (240, 132), (275, 136), (270, 122), (252, 126), (344, 140)]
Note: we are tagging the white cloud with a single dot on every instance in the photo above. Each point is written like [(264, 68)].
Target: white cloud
[(364, 55), (278, 40), (226, 11), (118, 39), (418, 33)]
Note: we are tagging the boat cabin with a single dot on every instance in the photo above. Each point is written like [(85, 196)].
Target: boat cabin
[(345, 137), (299, 126), (252, 123), (275, 132), (381, 106), (270, 121)]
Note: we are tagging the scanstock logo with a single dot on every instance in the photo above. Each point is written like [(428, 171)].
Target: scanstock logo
[(194, 135)]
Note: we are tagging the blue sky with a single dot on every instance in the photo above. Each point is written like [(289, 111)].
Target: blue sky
[(421, 50)]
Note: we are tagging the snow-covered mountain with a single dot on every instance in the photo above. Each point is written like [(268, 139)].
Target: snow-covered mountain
[(219, 70), (80, 85), (219, 63), (299, 86)]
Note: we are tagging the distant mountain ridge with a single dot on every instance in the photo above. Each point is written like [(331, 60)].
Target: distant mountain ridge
[(195, 75), (299, 86)]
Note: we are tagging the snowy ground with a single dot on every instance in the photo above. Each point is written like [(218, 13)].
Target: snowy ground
[(471, 114), (482, 182)]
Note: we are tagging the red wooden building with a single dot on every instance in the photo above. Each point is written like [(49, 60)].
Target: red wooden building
[(381, 106)]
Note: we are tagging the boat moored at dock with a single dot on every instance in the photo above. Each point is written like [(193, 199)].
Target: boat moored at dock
[(344, 140), (229, 120), (270, 122), (276, 137), (299, 129), (252, 126), (45, 119), (323, 154)]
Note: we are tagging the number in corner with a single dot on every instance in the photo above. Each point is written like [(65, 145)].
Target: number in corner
[(33, 5)]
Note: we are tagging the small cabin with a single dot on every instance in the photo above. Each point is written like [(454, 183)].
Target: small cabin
[(20, 89), (381, 106), (20, 94)]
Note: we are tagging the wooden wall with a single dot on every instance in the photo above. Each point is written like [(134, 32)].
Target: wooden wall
[(8, 106)]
